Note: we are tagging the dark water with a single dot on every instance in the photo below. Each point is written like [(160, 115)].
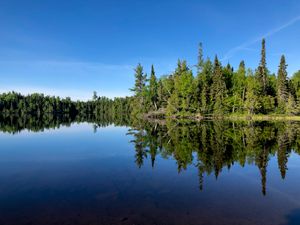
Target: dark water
[(173, 173)]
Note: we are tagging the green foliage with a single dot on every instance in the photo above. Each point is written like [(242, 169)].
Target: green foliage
[(181, 99), (218, 89), (282, 86), (262, 70), (267, 103), (295, 85), (291, 106), (153, 90), (252, 103), (38, 105), (140, 91), (213, 90), (237, 99), (140, 80), (205, 80)]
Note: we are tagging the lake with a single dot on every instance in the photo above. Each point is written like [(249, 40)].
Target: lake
[(150, 173)]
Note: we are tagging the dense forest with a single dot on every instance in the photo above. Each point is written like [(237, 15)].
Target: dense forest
[(38, 105), (212, 90), (217, 90)]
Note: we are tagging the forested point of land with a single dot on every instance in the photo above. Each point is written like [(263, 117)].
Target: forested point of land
[(212, 90)]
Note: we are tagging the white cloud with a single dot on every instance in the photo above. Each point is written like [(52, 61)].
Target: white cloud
[(66, 78), (74, 94), (245, 46)]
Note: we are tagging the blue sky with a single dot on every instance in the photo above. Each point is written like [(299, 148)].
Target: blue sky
[(71, 48)]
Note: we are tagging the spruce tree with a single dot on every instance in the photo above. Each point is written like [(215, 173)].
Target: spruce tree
[(282, 85), (200, 59), (206, 77), (218, 89), (198, 82), (239, 88), (262, 69), (153, 86)]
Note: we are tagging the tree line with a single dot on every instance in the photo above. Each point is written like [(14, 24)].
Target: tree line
[(213, 90), (39, 105), (216, 90)]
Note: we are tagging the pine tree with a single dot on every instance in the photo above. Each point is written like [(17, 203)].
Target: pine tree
[(140, 80), (138, 104), (282, 85)]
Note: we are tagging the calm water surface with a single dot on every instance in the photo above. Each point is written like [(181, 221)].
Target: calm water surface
[(175, 174)]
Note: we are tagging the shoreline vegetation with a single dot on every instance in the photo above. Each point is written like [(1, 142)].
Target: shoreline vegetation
[(216, 92), (204, 91), (161, 116)]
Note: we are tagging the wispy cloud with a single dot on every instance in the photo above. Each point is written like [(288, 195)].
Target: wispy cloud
[(245, 45), (67, 64), (66, 78), (63, 93)]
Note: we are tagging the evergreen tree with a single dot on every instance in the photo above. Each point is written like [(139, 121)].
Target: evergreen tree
[(200, 59), (181, 98), (295, 85), (291, 106), (153, 86), (214, 90), (218, 89), (140, 80), (262, 69), (282, 86), (228, 76), (205, 78), (239, 88), (252, 103), (95, 96), (139, 90)]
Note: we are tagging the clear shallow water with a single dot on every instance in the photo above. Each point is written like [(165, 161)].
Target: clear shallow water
[(74, 175)]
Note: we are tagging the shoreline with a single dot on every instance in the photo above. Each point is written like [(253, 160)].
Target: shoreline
[(197, 117)]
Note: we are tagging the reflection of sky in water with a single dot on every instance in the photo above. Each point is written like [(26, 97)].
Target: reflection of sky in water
[(75, 143), (74, 174)]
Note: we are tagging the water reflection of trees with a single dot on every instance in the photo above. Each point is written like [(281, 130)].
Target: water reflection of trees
[(208, 146), (213, 146), (14, 124)]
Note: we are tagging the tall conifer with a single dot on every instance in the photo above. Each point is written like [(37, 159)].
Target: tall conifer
[(282, 85), (262, 68)]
